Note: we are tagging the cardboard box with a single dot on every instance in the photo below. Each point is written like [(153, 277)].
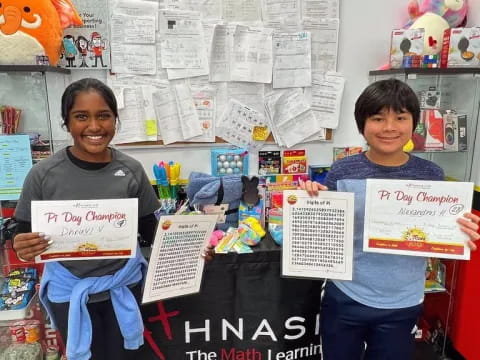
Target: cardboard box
[(405, 42), (430, 99), (434, 130), (455, 131), (461, 47)]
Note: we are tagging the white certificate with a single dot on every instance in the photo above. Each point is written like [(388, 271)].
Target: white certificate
[(87, 229), (411, 217), (176, 265), (317, 235)]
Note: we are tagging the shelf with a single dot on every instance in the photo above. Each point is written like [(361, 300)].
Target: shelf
[(33, 68), (426, 71)]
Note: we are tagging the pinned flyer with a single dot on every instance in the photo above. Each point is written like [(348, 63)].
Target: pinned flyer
[(418, 218)]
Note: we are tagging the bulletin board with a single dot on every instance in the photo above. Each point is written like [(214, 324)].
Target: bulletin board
[(182, 72)]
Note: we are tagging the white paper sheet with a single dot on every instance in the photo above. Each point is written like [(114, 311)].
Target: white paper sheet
[(209, 9), (290, 117), (324, 43), (327, 94), (292, 60), (134, 59), (220, 54), (204, 101), (238, 123), (133, 119), (182, 40), (280, 9), (87, 229), (176, 266), (128, 29), (252, 59), (418, 218), (318, 235), (242, 10), (320, 9)]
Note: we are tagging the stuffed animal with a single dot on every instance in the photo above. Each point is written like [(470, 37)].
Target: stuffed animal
[(435, 16), (32, 28)]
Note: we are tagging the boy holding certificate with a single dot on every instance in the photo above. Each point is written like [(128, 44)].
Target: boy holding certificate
[(380, 307)]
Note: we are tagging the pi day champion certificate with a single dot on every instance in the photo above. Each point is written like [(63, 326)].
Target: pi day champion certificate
[(412, 217), (87, 229)]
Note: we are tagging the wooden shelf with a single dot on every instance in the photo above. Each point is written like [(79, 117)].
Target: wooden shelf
[(270, 140), (33, 68)]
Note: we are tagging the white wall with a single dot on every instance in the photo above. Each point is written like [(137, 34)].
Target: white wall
[(365, 28)]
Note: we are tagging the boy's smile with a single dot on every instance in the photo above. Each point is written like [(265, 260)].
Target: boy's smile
[(386, 133)]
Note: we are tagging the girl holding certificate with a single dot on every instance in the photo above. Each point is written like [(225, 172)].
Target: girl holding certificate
[(380, 307), (93, 303)]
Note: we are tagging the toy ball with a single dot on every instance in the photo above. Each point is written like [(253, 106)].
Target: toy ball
[(222, 171), (222, 157), (236, 157), (229, 171), (239, 164)]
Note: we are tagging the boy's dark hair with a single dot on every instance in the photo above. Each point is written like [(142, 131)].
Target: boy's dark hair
[(85, 85), (391, 94)]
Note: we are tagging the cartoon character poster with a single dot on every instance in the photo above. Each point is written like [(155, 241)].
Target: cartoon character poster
[(88, 46)]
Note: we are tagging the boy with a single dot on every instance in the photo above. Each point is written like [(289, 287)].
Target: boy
[(380, 306)]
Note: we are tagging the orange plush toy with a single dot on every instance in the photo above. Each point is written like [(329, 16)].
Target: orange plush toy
[(31, 28)]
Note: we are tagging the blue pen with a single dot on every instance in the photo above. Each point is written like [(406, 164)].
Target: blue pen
[(162, 182)]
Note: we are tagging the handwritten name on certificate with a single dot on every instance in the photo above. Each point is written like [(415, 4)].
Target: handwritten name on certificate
[(176, 265), (411, 217), (87, 229), (318, 235)]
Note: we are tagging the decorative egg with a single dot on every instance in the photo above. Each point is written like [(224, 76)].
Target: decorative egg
[(233, 164), (219, 164), (229, 157), (221, 171), (226, 164), (239, 164), (229, 171), (236, 157), (222, 158), (236, 170)]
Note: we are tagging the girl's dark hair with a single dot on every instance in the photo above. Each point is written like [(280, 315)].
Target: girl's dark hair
[(391, 94), (85, 85)]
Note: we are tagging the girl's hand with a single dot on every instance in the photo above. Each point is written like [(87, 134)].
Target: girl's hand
[(312, 187), (208, 253), (469, 225), (29, 245)]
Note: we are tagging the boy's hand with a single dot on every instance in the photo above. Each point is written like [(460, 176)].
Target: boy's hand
[(312, 187), (208, 253), (469, 225)]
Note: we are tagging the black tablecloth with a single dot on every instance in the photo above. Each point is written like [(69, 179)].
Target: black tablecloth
[(244, 311)]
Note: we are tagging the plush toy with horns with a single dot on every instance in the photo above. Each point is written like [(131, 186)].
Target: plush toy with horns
[(31, 28)]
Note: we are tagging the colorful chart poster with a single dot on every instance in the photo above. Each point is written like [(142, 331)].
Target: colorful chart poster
[(419, 218), (317, 235), (87, 229), (15, 163), (88, 46), (176, 265)]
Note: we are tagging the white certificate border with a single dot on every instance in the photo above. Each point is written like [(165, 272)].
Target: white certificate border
[(467, 195), (36, 205)]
